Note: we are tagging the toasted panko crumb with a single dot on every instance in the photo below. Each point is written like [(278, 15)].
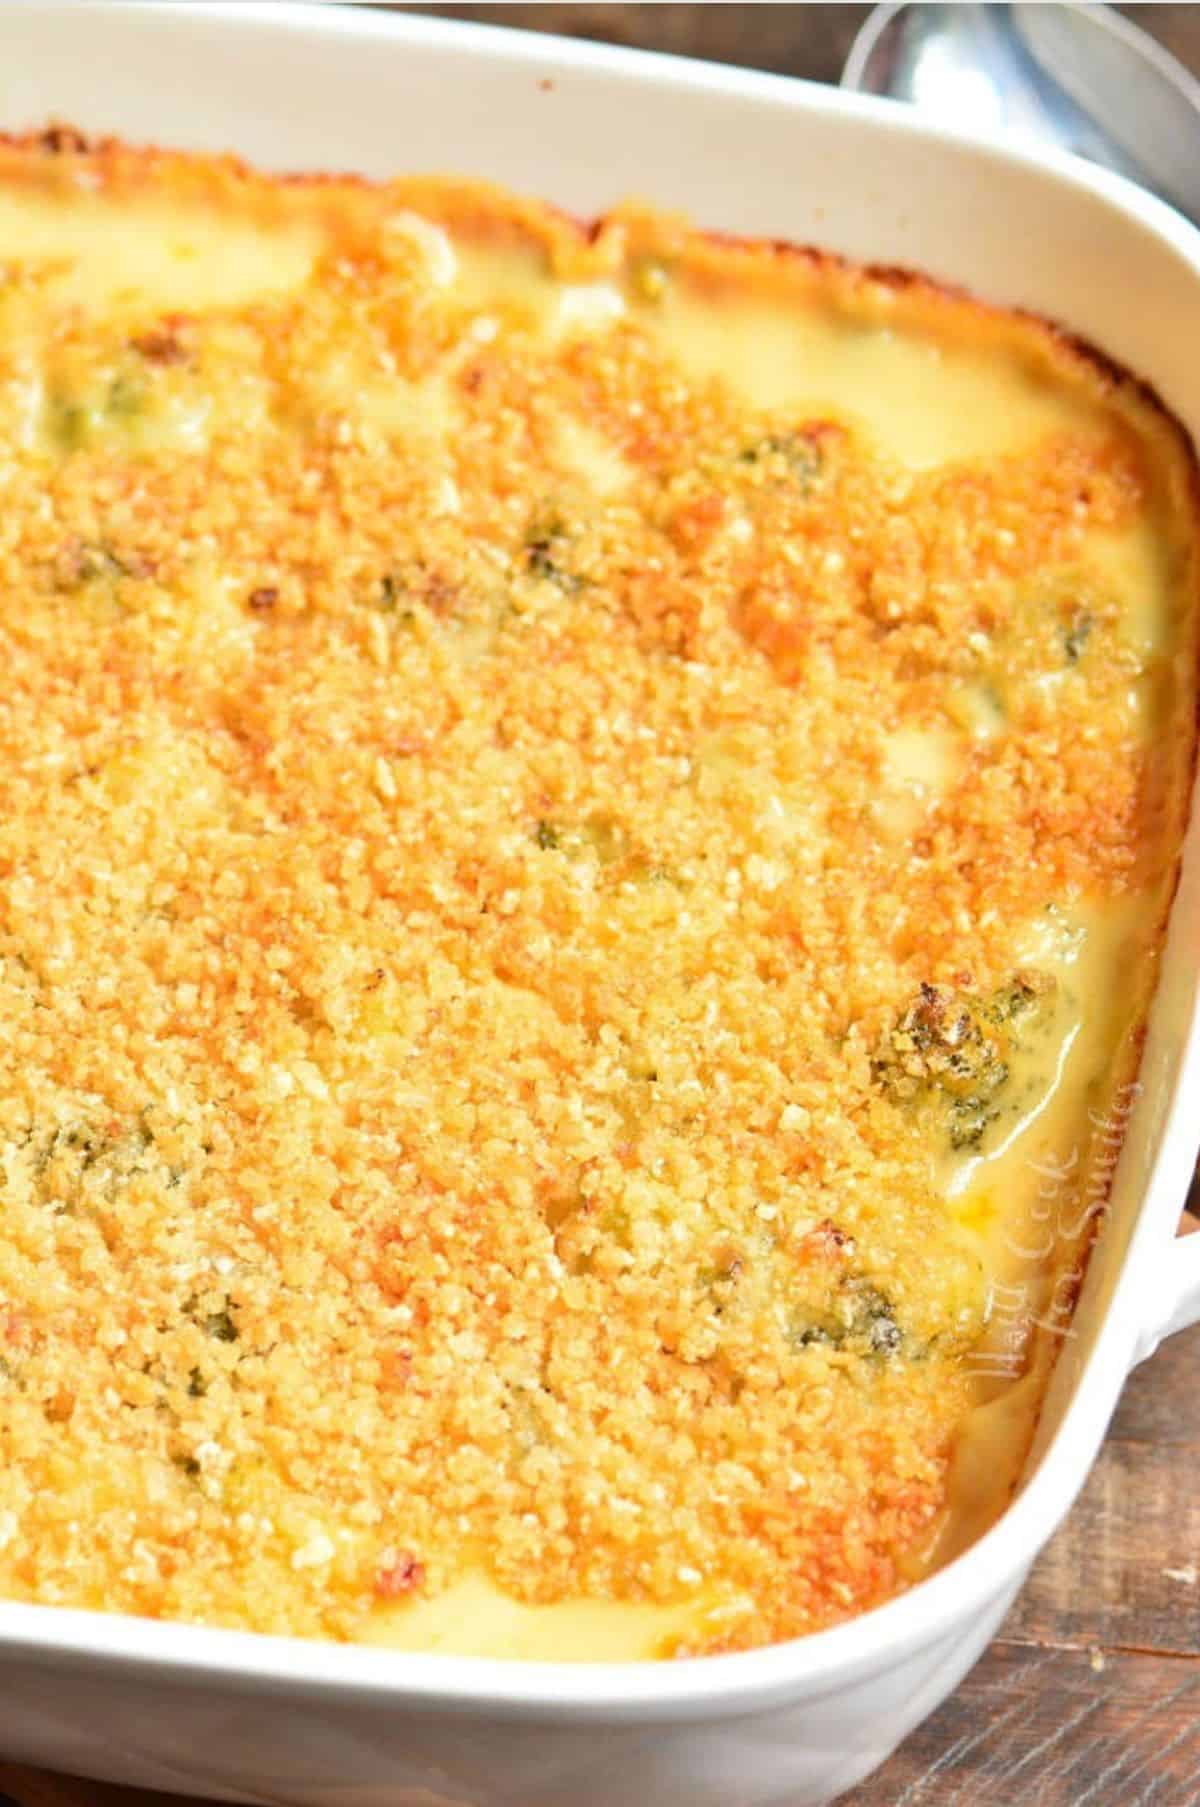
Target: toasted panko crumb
[(448, 915)]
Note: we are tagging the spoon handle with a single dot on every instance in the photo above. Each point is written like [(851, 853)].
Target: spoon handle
[(1143, 98), (1079, 77)]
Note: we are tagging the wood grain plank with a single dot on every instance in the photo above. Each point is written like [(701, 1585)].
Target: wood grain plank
[(37, 1788), (810, 41), (1054, 1729), (1123, 1571)]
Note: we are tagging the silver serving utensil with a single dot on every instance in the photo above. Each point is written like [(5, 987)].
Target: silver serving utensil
[(1079, 77)]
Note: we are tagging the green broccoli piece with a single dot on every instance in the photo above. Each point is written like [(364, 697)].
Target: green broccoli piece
[(857, 1315), (953, 1050), (546, 542), (800, 454)]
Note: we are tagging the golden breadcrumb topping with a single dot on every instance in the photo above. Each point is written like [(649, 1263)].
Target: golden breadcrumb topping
[(483, 997)]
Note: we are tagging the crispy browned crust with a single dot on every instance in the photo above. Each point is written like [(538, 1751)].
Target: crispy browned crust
[(720, 262), (61, 140)]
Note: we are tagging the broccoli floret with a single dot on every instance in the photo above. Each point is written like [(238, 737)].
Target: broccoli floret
[(598, 835), (1076, 635), (86, 562), (219, 1325), (391, 589), (75, 1160), (546, 543), (875, 1319), (801, 455), (954, 1049), (78, 420), (857, 1316)]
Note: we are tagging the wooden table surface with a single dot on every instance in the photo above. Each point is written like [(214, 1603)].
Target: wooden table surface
[(1090, 1696)]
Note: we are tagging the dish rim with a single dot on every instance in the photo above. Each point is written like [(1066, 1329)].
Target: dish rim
[(822, 1662)]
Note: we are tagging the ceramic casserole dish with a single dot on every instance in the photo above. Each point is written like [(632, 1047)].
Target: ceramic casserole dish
[(252, 1718)]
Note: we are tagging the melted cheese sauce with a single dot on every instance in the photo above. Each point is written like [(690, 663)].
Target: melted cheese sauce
[(474, 1616), (866, 365), (874, 372), (997, 1194), (926, 401), (149, 257)]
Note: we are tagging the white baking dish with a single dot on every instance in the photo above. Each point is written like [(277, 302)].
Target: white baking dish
[(291, 87)]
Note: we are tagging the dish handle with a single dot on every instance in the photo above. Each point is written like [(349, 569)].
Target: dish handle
[(1177, 1304)]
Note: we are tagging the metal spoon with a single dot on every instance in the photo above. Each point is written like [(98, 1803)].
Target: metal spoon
[(1079, 77)]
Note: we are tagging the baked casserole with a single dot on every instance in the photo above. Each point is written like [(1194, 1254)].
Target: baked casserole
[(588, 816)]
